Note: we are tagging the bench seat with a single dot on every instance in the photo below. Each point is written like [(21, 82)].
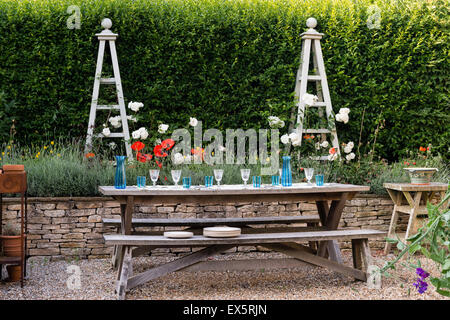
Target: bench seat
[(282, 242), (209, 222), (243, 239)]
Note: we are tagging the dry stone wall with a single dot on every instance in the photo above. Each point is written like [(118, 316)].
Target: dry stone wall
[(62, 227)]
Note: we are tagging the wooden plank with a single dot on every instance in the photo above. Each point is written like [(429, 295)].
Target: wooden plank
[(391, 231), (332, 222), (408, 210), (175, 265), (120, 99), (246, 265), (224, 199), (229, 190), (162, 241), (414, 209), (303, 255), (95, 92), (206, 222), (433, 186), (124, 274), (128, 215), (356, 254), (365, 254)]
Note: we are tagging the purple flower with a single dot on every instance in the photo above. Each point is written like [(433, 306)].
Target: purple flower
[(422, 273), (421, 285)]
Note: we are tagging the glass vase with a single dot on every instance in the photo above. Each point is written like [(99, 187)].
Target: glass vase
[(120, 179), (286, 173)]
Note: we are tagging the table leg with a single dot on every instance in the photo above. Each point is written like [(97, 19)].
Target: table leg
[(414, 203), (126, 219), (322, 209), (332, 223)]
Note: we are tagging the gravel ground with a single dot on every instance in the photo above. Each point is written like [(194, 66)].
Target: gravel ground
[(47, 280)]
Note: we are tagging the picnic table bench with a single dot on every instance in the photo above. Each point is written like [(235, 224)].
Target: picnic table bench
[(281, 242), (330, 201)]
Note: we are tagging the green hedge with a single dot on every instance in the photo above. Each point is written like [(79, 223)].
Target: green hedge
[(230, 64)]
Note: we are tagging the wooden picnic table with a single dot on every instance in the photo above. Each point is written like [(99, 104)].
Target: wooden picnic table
[(329, 213)]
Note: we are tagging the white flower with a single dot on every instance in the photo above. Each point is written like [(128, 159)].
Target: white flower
[(309, 99), (132, 118), (162, 128), (317, 145), (106, 132), (193, 122), (350, 156), (324, 144), (143, 133), (135, 106), (158, 141), (187, 158), (178, 158), (136, 134), (112, 145), (342, 117), (275, 122), (344, 110), (115, 121), (284, 139), (348, 147), (222, 148), (296, 142)]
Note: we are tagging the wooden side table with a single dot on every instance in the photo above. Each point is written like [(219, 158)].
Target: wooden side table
[(411, 199)]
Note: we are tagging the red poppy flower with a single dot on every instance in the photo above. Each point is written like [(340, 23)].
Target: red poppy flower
[(158, 151), (144, 157), (165, 178), (137, 146), (90, 155), (422, 149), (332, 151), (301, 169), (414, 163), (168, 144)]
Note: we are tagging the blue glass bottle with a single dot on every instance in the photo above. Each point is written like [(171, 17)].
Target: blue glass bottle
[(286, 173), (120, 179)]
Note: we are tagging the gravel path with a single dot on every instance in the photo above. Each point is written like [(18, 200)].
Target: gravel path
[(48, 281)]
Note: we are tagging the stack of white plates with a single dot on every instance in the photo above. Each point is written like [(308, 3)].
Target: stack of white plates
[(178, 234), (221, 232)]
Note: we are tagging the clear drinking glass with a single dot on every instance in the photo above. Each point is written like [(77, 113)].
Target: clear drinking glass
[(218, 174), (309, 174), (176, 175), (154, 174), (245, 175)]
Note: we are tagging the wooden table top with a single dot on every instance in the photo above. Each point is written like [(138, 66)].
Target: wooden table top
[(433, 186), (224, 190)]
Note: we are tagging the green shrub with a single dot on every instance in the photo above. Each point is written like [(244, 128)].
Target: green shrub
[(230, 64)]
